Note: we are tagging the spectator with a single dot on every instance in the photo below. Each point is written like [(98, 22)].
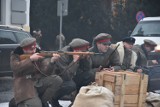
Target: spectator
[(60, 41), (37, 34)]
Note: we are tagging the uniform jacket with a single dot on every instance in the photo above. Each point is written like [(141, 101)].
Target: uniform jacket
[(104, 60), (66, 68), (128, 58), (142, 55)]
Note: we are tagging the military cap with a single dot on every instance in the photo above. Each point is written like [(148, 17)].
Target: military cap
[(150, 42), (129, 40), (78, 43), (103, 38), (27, 42)]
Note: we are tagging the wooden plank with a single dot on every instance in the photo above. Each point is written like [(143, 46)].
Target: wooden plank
[(141, 89), (123, 91), (129, 99), (129, 90), (130, 105)]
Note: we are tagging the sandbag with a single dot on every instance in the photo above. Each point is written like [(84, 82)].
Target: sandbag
[(94, 96), (153, 100)]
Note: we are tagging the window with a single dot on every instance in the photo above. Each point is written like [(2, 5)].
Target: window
[(20, 36), (147, 28), (7, 37)]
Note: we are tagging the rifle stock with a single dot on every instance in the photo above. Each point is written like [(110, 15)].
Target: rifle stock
[(50, 54)]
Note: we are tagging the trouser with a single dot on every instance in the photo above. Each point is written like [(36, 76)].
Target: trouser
[(66, 88), (33, 102), (48, 86), (83, 79)]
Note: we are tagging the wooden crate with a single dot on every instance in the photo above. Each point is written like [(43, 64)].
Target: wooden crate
[(129, 88)]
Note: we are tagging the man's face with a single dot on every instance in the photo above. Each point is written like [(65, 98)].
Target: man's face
[(149, 48), (128, 45), (102, 47), (39, 32), (30, 49)]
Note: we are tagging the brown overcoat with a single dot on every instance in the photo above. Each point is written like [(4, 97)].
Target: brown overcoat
[(27, 74), (23, 82)]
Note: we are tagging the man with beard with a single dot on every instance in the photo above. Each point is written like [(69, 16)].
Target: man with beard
[(73, 69), (30, 81), (109, 58)]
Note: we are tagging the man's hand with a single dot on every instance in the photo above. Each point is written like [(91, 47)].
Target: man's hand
[(35, 57), (75, 58), (55, 57), (139, 70), (154, 61), (109, 69)]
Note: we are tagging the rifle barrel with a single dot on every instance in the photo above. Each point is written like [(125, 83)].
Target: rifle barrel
[(50, 54)]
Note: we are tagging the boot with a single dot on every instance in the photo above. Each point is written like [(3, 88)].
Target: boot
[(45, 104)]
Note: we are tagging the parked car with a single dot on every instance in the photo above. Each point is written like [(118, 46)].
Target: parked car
[(147, 28), (10, 38)]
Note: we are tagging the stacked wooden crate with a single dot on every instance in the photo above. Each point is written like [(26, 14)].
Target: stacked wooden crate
[(129, 88)]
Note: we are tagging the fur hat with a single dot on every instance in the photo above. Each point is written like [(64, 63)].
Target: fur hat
[(129, 40)]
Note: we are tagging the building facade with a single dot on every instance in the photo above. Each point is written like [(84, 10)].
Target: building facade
[(15, 12)]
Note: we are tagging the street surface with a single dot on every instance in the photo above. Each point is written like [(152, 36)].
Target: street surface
[(6, 92), (6, 89)]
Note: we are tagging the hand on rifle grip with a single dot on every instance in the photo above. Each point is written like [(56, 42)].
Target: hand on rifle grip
[(55, 57), (109, 69), (35, 57), (76, 58)]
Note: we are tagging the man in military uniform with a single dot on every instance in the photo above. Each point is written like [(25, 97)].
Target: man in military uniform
[(74, 69), (29, 78), (142, 52), (109, 57), (128, 57)]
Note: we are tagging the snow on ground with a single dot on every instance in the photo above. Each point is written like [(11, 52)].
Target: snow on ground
[(63, 103)]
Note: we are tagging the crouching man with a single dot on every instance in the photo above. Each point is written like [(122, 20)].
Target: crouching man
[(28, 77)]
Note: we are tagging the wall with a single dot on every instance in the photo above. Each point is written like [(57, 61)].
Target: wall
[(16, 12)]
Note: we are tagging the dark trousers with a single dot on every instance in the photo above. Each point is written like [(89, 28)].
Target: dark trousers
[(66, 88), (83, 79), (47, 87)]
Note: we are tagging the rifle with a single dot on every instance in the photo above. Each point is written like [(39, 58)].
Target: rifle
[(50, 54), (107, 59)]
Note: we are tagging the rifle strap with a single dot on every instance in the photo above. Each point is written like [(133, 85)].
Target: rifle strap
[(69, 66), (36, 66), (106, 59)]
